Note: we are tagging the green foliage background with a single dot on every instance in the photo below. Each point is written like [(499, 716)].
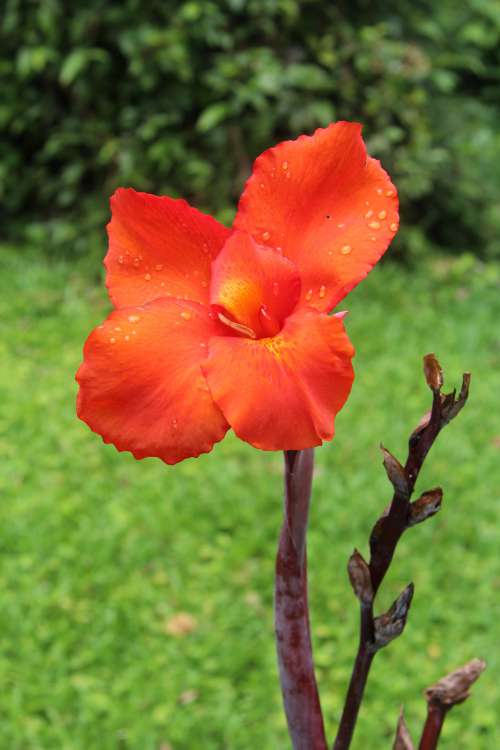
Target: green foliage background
[(179, 97)]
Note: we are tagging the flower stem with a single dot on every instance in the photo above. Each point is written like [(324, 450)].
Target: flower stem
[(293, 639), (432, 728)]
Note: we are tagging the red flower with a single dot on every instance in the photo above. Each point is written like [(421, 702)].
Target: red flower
[(215, 327)]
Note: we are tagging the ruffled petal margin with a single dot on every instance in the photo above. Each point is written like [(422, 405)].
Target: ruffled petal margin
[(141, 384)]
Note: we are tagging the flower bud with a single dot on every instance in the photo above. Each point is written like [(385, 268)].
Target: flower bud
[(360, 578), (426, 506)]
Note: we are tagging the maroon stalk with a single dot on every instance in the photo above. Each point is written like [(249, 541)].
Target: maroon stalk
[(387, 533), (293, 638), (432, 728)]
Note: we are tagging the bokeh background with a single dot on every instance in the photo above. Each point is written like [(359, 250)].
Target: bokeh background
[(136, 598)]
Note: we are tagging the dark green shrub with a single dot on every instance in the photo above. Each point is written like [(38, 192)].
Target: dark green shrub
[(179, 97)]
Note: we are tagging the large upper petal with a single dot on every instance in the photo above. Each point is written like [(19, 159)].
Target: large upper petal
[(326, 205), (141, 384), (159, 247), (283, 393)]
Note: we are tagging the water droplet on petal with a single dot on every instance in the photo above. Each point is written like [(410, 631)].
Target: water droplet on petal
[(204, 284), (285, 165), (379, 191), (276, 289), (117, 328), (373, 239), (394, 227), (206, 249), (340, 226), (265, 235), (369, 214), (126, 338), (134, 333), (309, 295), (322, 291), (382, 214), (185, 315), (136, 262), (112, 341), (346, 249), (390, 193), (279, 249), (374, 225), (148, 277), (120, 260), (262, 186), (162, 283), (134, 318), (174, 423), (159, 267)]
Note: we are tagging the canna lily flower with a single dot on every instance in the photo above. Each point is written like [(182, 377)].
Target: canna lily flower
[(216, 328)]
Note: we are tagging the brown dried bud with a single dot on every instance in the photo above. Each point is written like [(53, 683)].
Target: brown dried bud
[(391, 624), (426, 506), (454, 688), (402, 740), (360, 578), (433, 372), (395, 472), (451, 407)]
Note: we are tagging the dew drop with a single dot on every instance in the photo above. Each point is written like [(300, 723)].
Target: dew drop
[(134, 333), (120, 260), (136, 262), (148, 277), (134, 318), (374, 225), (340, 226), (174, 423), (394, 227), (390, 193), (265, 235), (309, 295), (373, 239), (346, 249), (126, 338), (185, 315), (276, 289), (262, 186), (368, 214), (206, 249), (322, 291), (284, 165), (382, 214), (288, 175), (112, 341), (117, 328), (279, 249), (159, 267), (379, 191), (162, 283), (204, 284)]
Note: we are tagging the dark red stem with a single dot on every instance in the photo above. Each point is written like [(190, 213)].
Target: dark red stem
[(384, 539), (432, 728), (293, 639)]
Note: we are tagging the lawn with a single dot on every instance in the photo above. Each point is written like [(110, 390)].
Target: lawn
[(136, 598)]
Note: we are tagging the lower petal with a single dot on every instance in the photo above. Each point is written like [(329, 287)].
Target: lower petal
[(141, 384), (283, 393)]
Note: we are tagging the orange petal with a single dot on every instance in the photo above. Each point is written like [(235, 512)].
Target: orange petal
[(331, 210), (159, 247), (256, 287), (141, 384), (283, 393)]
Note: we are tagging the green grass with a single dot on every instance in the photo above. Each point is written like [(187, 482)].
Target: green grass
[(99, 552)]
